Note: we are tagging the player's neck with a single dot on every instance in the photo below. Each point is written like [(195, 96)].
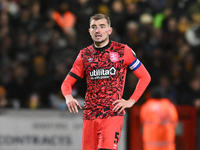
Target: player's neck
[(102, 48), (101, 44)]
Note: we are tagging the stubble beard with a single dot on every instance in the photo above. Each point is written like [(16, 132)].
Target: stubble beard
[(98, 43)]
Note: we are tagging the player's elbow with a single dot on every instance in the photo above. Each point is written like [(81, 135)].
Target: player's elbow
[(62, 85), (148, 78)]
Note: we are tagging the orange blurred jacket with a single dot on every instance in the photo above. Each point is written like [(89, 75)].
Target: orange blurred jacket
[(159, 118), (65, 21)]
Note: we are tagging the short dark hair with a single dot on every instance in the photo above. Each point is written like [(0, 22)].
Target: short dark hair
[(100, 16)]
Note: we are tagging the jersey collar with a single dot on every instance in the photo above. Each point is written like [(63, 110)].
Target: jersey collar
[(102, 48)]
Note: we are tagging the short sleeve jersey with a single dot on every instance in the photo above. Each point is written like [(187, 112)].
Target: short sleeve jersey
[(105, 71)]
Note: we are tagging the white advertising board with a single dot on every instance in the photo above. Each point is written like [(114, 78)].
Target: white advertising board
[(43, 130)]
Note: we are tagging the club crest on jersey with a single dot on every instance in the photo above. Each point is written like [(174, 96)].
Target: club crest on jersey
[(90, 59), (114, 56)]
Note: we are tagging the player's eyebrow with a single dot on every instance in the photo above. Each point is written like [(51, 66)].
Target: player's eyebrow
[(94, 25), (102, 25)]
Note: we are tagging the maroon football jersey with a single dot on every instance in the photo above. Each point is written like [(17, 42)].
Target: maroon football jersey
[(105, 71)]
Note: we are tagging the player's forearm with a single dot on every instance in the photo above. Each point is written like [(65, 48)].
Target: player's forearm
[(144, 80), (67, 84)]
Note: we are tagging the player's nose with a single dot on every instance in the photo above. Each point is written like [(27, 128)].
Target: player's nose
[(97, 29)]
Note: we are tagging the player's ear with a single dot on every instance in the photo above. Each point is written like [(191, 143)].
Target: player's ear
[(89, 31), (110, 30)]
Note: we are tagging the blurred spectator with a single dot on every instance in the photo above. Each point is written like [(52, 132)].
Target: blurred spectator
[(157, 5), (144, 7), (4, 6), (191, 96), (103, 9), (43, 50), (115, 36), (24, 20), (180, 7), (188, 66), (183, 24), (40, 80), (170, 35), (131, 34), (183, 48), (146, 26), (46, 30), (64, 18), (156, 64), (13, 8), (155, 38), (18, 89), (83, 9), (159, 119), (22, 50), (194, 8), (117, 15), (36, 17), (197, 71), (175, 73), (146, 19), (131, 13), (161, 18), (6, 58), (5, 28), (129, 1), (192, 35), (34, 101), (3, 99), (166, 87)]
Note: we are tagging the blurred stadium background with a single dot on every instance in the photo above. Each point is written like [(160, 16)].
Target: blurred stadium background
[(40, 39)]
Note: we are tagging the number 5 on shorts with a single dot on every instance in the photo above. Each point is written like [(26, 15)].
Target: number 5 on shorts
[(116, 137)]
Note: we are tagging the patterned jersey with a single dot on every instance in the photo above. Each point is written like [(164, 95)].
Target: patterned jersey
[(105, 71)]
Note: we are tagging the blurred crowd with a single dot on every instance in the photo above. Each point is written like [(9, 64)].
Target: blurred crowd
[(40, 39)]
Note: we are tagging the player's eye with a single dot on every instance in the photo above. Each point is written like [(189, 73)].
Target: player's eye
[(93, 27)]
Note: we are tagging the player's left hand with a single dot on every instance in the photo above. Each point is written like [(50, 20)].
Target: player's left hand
[(120, 105)]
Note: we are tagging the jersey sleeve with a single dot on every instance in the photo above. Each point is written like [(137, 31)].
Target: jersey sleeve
[(139, 70), (67, 84), (77, 70), (75, 73), (130, 59)]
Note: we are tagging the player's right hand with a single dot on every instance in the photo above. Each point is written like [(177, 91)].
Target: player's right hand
[(72, 104)]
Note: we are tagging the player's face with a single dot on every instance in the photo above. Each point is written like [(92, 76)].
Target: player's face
[(100, 31)]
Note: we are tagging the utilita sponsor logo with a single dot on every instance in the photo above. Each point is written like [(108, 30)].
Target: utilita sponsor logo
[(102, 73)]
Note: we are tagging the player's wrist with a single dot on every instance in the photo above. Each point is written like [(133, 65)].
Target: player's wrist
[(68, 97), (132, 101)]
